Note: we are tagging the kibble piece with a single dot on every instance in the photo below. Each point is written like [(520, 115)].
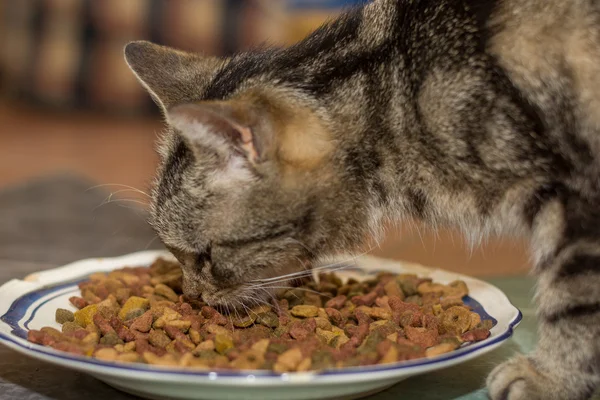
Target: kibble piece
[(159, 338), (304, 365), (166, 292), (143, 323), (304, 311), (195, 336), (456, 320), (133, 308), (85, 316), (111, 339), (166, 360), (182, 325), (63, 316), (244, 322), (68, 327), (288, 361), (439, 349), (475, 320), (391, 356), (106, 354), (268, 319), (223, 343), (128, 357), (207, 345)]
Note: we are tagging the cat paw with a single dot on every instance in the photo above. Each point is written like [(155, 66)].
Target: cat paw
[(517, 379)]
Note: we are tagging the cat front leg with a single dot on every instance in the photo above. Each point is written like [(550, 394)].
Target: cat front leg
[(566, 363)]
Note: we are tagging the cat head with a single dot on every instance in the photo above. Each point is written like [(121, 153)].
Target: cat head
[(246, 188)]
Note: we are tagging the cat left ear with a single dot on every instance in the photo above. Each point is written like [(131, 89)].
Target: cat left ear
[(220, 127)]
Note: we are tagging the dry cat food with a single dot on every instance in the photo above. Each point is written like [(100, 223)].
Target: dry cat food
[(139, 315)]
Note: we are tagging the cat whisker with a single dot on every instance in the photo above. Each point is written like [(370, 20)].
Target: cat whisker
[(121, 201), (296, 275), (298, 288), (119, 185)]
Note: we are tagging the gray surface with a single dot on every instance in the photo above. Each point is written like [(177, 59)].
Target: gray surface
[(47, 223)]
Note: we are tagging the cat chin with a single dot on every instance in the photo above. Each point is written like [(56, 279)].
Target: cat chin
[(232, 300)]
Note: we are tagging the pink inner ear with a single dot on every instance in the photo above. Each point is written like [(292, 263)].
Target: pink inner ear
[(247, 143), (190, 119)]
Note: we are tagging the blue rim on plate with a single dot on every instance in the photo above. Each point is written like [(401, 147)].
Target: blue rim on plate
[(22, 305)]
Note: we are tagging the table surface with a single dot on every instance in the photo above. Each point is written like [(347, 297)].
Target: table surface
[(50, 223)]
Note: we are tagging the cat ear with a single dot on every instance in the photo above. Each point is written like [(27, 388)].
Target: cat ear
[(170, 76), (219, 126)]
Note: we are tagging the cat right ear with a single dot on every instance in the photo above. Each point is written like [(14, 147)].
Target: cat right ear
[(170, 76)]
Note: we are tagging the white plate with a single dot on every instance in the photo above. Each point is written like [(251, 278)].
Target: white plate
[(30, 304)]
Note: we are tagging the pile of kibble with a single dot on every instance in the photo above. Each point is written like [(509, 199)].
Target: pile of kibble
[(140, 315)]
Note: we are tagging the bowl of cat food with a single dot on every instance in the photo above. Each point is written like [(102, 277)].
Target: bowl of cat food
[(352, 330)]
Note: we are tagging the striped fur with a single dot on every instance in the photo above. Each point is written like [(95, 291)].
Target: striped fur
[(482, 114)]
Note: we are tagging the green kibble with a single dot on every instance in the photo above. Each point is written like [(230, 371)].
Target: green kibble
[(62, 316), (278, 348), (111, 339), (268, 319), (244, 322)]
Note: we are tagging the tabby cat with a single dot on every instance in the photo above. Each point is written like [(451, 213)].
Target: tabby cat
[(482, 114)]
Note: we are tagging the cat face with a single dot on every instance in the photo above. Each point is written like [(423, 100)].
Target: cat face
[(239, 193)]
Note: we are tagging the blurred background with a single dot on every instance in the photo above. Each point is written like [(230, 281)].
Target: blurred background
[(77, 131)]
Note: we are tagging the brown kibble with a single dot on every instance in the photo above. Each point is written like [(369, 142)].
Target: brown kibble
[(337, 302), (182, 325), (167, 360), (323, 323), (391, 356), (106, 354), (456, 320), (288, 361), (304, 365), (451, 301), (249, 360), (422, 336), (365, 300), (207, 345), (103, 325), (475, 335), (392, 288), (303, 311), (128, 357), (475, 320), (195, 336), (143, 323), (166, 292), (158, 338), (439, 350), (78, 302), (458, 289), (336, 316)]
